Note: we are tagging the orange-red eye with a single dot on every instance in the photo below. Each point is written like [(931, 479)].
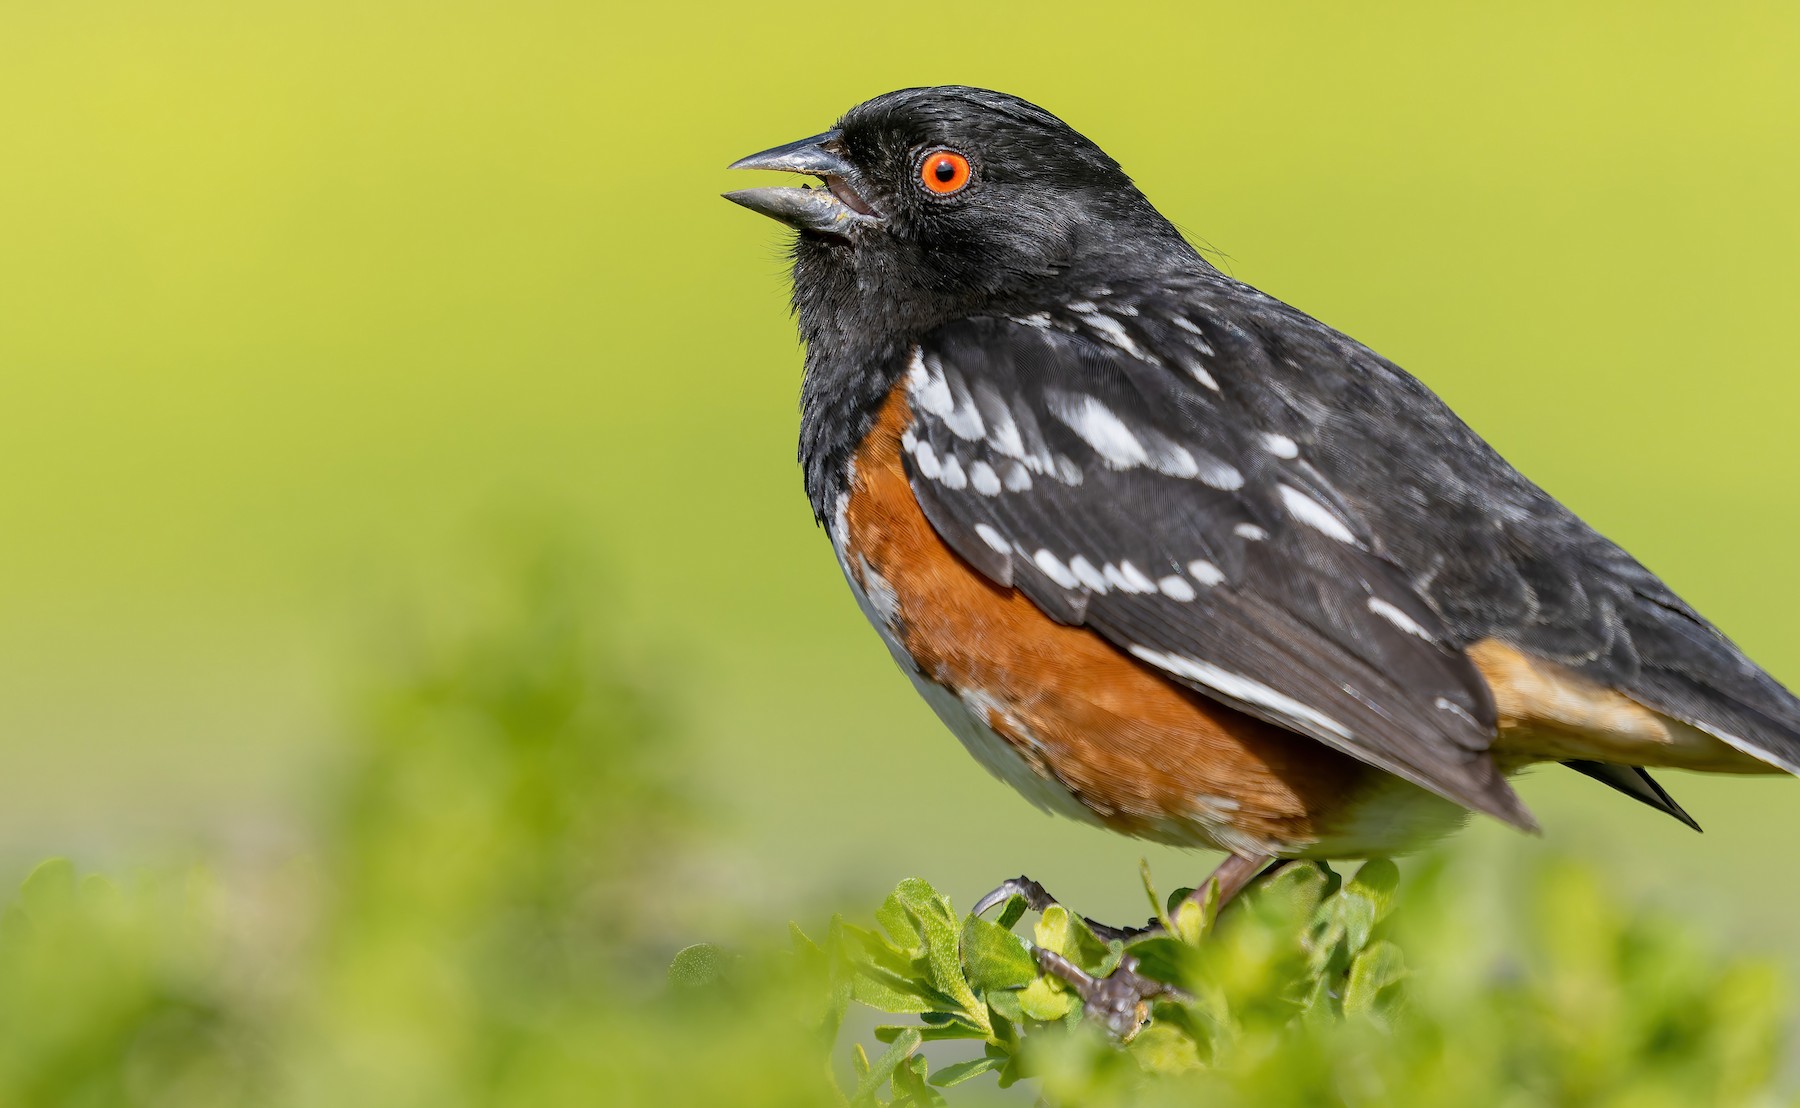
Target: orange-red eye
[(944, 172)]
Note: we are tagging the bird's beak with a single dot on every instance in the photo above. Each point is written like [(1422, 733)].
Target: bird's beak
[(836, 209)]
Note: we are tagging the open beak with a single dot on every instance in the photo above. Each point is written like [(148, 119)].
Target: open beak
[(836, 209)]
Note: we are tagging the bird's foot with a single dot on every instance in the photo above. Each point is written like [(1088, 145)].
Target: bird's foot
[(1119, 1002), (1037, 898)]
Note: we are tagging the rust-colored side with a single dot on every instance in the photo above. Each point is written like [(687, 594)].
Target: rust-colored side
[(1147, 756)]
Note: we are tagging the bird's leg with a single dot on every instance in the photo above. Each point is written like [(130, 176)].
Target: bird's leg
[(1234, 875), (1120, 1000)]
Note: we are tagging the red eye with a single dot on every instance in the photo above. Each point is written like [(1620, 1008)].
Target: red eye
[(944, 172)]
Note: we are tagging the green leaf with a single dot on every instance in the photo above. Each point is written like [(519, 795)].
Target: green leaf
[(1004, 1005), (1296, 892), (1044, 1000), (902, 930), (937, 924), (1374, 977), (877, 950), (883, 1067), (1013, 911), (1063, 932), (1352, 914), (1377, 881), (697, 966), (1156, 907), (996, 958), (890, 992), (1168, 960), (910, 1080), (947, 1032), (965, 1071), (1194, 918)]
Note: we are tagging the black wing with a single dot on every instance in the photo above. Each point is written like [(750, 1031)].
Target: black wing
[(1494, 555), (1119, 485)]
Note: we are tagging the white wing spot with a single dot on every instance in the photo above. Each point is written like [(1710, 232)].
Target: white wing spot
[(1205, 572), (1314, 514), (1193, 329), (1100, 429), (993, 538), (1085, 572), (926, 459), (1111, 329), (985, 480), (1218, 474), (1126, 582), (1018, 478), (929, 388), (1397, 617), (1173, 459), (965, 419), (1054, 569), (1035, 319), (1003, 432), (1199, 373), (1134, 579), (1250, 531), (1281, 446), (1176, 588), (951, 473), (1241, 688)]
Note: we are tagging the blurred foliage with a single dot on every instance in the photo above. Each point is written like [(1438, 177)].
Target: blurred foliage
[(504, 862), (480, 922), (1302, 996)]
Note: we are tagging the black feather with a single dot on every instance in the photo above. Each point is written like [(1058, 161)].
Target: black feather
[(1635, 782)]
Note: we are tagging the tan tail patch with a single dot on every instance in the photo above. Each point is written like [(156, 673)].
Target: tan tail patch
[(1548, 712)]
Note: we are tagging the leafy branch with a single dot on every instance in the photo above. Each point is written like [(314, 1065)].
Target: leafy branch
[(1301, 994)]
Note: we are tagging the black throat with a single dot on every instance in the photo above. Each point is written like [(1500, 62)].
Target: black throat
[(859, 323)]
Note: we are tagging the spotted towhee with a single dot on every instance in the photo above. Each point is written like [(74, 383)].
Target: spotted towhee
[(1172, 557)]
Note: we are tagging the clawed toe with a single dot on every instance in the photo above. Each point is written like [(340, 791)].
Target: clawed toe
[(1037, 899)]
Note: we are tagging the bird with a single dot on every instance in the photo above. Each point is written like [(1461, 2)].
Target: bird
[(1170, 556)]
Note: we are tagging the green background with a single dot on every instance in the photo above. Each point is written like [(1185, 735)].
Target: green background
[(300, 303)]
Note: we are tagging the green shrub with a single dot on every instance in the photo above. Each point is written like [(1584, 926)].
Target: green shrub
[(1301, 995)]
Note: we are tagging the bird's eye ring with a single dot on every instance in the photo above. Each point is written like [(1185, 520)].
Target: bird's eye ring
[(944, 172)]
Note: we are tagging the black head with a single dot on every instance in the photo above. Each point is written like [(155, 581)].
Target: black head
[(942, 202)]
